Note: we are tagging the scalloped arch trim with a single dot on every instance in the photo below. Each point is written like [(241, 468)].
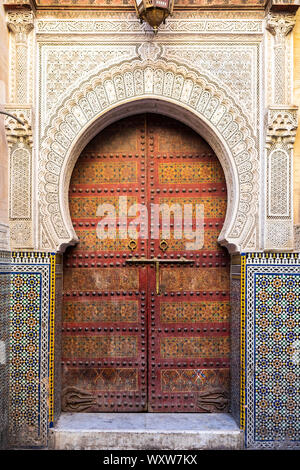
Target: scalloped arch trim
[(135, 80)]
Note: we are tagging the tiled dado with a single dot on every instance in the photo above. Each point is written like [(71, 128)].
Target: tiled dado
[(270, 305), (270, 302), (31, 383), (5, 262)]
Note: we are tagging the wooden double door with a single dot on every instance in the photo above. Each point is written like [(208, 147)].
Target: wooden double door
[(146, 335)]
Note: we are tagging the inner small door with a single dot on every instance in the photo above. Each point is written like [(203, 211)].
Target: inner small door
[(146, 306)]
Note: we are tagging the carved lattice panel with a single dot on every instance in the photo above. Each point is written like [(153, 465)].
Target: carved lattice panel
[(116, 324)]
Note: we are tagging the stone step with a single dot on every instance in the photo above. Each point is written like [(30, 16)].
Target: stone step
[(143, 431)]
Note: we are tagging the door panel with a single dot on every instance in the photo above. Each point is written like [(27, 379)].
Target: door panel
[(127, 344), (189, 326), (104, 314)]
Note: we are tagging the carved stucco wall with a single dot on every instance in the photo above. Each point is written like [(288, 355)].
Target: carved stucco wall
[(296, 160), (210, 69), (4, 240), (217, 72), (4, 237), (229, 74)]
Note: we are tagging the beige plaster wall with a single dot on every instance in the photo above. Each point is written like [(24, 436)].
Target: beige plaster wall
[(3, 100)]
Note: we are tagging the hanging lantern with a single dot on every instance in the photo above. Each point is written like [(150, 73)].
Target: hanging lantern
[(154, 12)]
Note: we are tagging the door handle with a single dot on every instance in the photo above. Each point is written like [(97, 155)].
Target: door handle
[(157, 262)]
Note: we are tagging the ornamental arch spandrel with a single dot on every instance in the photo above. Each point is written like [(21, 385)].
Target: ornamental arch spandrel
[(158, 87)]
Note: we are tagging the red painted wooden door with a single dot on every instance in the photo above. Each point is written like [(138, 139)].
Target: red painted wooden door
[(146, 336)]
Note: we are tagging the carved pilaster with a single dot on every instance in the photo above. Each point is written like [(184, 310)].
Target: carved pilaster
[(19, 140), (20, 23), (281, 124), (280, 25)]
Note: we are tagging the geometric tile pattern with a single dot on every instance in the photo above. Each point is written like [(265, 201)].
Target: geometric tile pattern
[(272, 403), (235, 345), (31, 348), (5, 261)]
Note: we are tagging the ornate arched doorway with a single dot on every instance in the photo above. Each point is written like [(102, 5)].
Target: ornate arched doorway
[(146, 336)]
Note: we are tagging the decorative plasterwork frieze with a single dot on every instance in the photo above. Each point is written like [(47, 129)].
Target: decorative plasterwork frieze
[(207, 108), (233, 66), (176, 26), (64, 66), (281, 125)]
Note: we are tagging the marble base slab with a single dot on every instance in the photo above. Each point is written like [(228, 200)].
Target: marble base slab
[(143, 431)]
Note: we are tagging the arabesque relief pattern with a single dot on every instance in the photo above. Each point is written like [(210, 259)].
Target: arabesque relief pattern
[(147, 71), (143, 79), (281, 127), (20, 23)]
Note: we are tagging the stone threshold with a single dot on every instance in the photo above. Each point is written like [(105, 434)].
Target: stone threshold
[(143, 431)]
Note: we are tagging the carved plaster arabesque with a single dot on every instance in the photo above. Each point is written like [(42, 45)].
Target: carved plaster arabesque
[(20, 23), (281, 126), (297, 237), (130, 25), (19, 138), (64, 67), (280, 25), (232, 65), (205, 104)]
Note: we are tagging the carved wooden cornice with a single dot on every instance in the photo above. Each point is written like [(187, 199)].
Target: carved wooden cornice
[(283, 5)]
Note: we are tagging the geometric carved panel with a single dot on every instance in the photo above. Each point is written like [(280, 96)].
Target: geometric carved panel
[(279, 184), (20, 172)]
